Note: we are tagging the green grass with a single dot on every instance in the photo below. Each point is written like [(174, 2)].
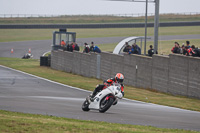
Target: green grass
[(97, 19), (13, 122), (32, 66), (7, 35)]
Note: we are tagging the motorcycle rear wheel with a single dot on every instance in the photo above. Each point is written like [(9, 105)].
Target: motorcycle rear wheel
[(105, 104), (85, 106)]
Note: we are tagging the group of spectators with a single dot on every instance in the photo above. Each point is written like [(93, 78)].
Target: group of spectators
[(186, 49), (91, 48), (74, 46), (70, 47), (134, 49)]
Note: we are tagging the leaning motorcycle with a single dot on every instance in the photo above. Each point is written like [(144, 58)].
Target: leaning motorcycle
[(104, 99)]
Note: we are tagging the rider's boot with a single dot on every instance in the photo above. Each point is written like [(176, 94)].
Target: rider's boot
[(90, 98), (92, 95)]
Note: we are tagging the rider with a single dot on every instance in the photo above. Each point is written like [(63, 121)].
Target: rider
[(118, 79)]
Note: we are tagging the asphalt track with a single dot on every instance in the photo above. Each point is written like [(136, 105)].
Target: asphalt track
[(30, 94), (39, 47)]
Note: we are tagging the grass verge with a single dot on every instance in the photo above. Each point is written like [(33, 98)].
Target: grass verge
[(32, 66), (7, 35), (77, 19), (11, 122)]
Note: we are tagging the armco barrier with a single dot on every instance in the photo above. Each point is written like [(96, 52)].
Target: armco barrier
[(174, 74)]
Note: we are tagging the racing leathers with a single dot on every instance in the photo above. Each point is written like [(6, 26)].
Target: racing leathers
[(106, 84)]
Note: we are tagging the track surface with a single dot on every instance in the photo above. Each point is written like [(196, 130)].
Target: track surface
[(41, 46), (29, 94)]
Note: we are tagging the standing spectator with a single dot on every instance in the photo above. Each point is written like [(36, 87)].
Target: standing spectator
[(135, 49), (132, 50), (126, 48), (188, 44), (197, 51), (96, 49), (151, 51), (187, 51), (193, 51), (86, 49), (69, 47), (73, 45), (176, 48), (92, 47), (76, 48), (183, 50), (63, 43)]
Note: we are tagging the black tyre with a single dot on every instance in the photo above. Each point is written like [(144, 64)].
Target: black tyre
[(115, 102), (105, 104), (85, 106)]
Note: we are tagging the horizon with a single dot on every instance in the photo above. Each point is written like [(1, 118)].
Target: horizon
[(94, 7)]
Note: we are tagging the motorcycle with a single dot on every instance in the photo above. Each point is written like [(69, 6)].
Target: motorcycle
[(104, 99), (27, 56)]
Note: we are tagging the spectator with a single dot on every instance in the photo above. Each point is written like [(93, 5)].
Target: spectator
[(197, 51), (194, 51), (151, 51), (86, 49), (76, 48), (63, 43), (96, 49), (126, 48), (176, 48), (69, 48), (92, 47), (135, 49), (187, 51), (188, 44), (183, 50), (73, 46), (131, 50)]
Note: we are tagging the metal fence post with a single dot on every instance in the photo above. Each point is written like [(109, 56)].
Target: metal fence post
[(98, 66)]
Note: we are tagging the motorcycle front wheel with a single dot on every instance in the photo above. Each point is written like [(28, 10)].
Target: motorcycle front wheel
[(85, 106), (105, 104)]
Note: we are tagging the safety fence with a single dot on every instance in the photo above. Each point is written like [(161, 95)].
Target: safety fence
[(174, 74)]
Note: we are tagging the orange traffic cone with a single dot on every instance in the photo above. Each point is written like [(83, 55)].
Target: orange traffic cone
[(29, 50), (12, 50)]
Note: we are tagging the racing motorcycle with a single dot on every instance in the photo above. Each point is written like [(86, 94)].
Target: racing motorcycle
[(104, 99)]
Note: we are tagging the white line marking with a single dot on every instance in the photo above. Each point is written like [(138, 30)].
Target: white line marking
[(45, 79), (46, 53)]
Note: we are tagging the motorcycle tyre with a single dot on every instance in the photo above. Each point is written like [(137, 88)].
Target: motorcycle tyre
[(85, 106), (107, 106)]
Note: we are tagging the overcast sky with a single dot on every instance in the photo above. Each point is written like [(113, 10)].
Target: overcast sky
[(71, 7)]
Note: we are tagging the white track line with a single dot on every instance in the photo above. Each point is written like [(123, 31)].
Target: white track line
[(46, 53), (45, 79)]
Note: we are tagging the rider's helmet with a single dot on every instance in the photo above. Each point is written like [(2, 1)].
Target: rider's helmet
[(119, 77)]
